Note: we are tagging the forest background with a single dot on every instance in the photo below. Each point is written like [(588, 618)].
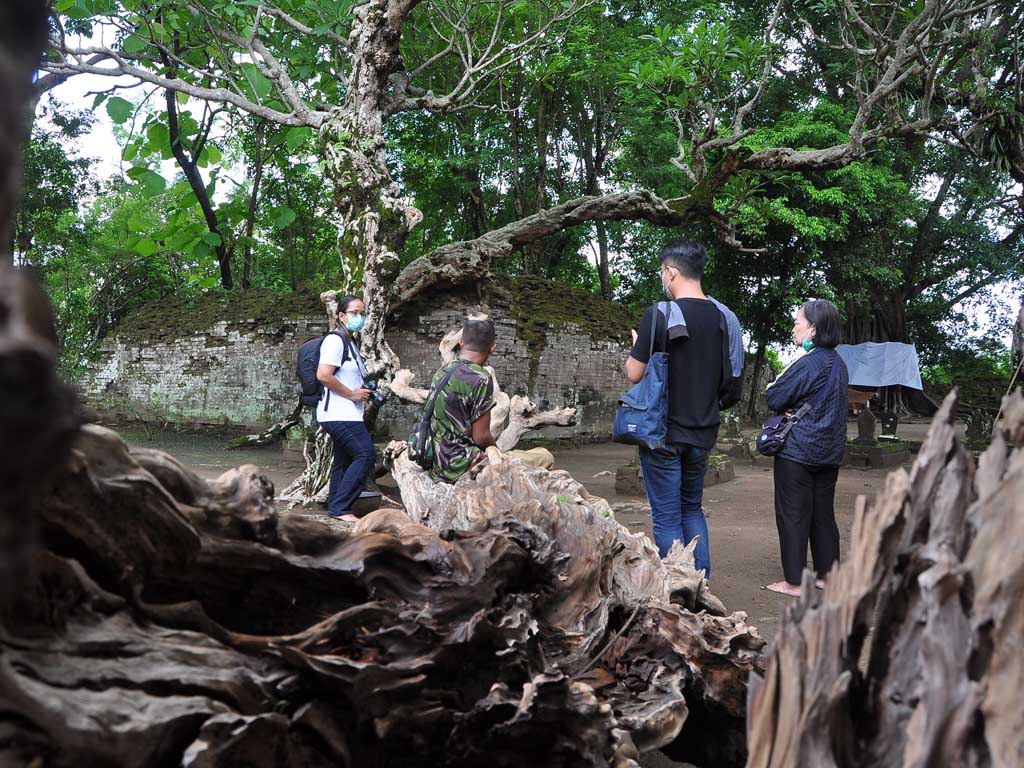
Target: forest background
[(918, 237)]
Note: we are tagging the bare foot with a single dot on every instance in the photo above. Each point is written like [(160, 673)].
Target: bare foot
[(784, 588), (346, 518)]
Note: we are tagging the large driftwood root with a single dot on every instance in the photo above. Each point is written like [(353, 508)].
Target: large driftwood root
[(935, 572), (697, 660), (185, 621)]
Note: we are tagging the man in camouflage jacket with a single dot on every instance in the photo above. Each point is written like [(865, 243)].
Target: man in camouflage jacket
[(460, 425)]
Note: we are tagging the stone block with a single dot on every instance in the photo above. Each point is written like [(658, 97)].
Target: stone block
[(629, 480), (720, 472)]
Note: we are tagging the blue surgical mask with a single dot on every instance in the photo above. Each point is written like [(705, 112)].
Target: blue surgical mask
[(355, 324)]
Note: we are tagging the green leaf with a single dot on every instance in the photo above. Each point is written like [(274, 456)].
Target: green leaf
[(137, 225), (100, 98), (256, 82), (282, 216), (213, 154), (146, 247), (201, 249), (179, 239), (119, 109), (296, 137), (159, 136), (208, 282), (182, 98), (63, 6), (211, 238), (133, 44), (152, 182)]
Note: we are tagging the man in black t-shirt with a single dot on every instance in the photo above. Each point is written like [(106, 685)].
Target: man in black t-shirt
[(674, 475)]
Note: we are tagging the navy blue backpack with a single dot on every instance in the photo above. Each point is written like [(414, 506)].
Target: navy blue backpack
[(306, 363), (642, 417)]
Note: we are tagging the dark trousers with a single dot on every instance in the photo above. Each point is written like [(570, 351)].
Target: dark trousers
[(354, 456), (674, 481), (805, 498)]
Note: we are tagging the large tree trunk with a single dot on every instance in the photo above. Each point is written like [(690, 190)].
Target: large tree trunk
[(374, 220), (934, 588)]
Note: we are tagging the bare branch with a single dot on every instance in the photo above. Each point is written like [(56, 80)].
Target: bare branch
[(464, 262), (122, 66), (478, 66)]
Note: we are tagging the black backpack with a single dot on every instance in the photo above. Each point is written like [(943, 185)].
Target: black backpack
[(306, 365)]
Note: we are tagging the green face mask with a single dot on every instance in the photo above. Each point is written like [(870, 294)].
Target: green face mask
[(355, 324), (808, 345)]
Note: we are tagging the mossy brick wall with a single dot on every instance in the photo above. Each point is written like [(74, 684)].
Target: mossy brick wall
[(224, 361)]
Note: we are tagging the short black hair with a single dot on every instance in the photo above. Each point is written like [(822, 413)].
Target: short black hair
[(686, 256), (345, 301), (478, 335), (824, 316)]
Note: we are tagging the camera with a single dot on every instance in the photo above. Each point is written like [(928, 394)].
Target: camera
[(376, 396)]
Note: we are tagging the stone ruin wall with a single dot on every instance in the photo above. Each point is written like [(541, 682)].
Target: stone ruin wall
[(241, 372)]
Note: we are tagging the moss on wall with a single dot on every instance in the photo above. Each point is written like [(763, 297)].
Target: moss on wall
[(537, 303), (173, 318)]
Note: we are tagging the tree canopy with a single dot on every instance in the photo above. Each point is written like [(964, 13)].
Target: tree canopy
[(867, 152)]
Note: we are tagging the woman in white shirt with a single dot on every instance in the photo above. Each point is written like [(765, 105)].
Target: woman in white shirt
[(340, 410)]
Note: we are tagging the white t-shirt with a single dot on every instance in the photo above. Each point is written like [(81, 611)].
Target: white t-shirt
[(340, 408)]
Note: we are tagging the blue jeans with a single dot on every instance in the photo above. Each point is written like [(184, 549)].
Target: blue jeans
[(354, 456), (674, 479)]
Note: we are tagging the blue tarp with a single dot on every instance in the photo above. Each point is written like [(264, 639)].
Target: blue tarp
[(881, 364)]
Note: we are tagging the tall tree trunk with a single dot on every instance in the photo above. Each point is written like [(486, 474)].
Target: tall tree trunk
[(603, 271), (22, 38), (755, 378), (374, 221), (250, 219), (190, 167)]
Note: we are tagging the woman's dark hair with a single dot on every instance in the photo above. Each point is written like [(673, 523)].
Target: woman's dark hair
[(345, 301), (824, 316)]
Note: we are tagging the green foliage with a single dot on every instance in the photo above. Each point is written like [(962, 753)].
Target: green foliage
[(56, 179), (594, 114)]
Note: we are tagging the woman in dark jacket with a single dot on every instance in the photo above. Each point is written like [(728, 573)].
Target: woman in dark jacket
[(807, 467)]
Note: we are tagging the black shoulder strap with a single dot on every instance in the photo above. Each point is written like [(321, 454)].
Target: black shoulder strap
[(426, 418), (326, 394), (345, 341), (819, 396), (657, 317), (428, 409)]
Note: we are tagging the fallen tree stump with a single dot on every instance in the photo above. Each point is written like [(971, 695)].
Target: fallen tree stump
[(179, 620), (611, 570), (936, 577)]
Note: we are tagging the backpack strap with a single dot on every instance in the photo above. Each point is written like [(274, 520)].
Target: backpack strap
[(423, 429), (664, 309), (344, 353), (820, 395)]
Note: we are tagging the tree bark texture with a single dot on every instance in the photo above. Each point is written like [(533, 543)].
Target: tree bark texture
[(912, 655), (23, 32)]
